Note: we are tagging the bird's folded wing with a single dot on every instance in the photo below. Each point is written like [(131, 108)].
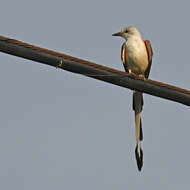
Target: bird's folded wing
[(150, 54), (124, 57)]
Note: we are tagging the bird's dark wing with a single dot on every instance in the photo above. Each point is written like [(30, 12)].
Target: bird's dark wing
[(124, 57), (150, 54)]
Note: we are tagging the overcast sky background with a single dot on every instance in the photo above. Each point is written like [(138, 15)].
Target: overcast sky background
[(60, 130)]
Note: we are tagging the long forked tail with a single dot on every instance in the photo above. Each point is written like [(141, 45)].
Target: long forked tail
[(137, 107)]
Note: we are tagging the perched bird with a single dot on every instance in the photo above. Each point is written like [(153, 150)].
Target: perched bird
[(136, 56)]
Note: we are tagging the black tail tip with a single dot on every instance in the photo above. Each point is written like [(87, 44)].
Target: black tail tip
[(139, 158), (141, 131)]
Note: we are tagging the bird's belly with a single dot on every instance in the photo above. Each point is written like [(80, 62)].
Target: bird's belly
[(137, 56), (138, 64)]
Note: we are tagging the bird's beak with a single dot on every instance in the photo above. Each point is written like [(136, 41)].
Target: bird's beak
[(117, 34)]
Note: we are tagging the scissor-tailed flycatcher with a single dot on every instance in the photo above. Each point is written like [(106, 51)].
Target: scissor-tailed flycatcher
[(136, 56)]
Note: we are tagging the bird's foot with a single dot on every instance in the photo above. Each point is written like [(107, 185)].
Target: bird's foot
[(132, 74), (142, 77)]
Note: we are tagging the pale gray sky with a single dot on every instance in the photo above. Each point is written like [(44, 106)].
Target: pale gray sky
[(60, 130)]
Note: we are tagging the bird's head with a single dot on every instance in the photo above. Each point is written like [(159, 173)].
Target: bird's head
[(128, 32)]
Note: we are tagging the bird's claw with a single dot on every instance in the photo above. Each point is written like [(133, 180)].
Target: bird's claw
[(142, 77), (132, 74)]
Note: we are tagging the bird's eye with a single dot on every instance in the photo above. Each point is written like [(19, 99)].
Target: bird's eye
[(126, 31)]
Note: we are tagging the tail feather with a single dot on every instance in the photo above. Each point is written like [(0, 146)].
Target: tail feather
[(137, 107), (141, 131), (139, 96), (139, 157)]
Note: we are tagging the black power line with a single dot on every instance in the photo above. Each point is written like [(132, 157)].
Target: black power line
[(87, 68)]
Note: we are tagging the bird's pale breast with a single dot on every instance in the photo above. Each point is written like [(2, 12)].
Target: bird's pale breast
[(137, 56)]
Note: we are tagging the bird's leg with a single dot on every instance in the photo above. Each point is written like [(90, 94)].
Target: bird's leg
[(141, 76), (132, 74)]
